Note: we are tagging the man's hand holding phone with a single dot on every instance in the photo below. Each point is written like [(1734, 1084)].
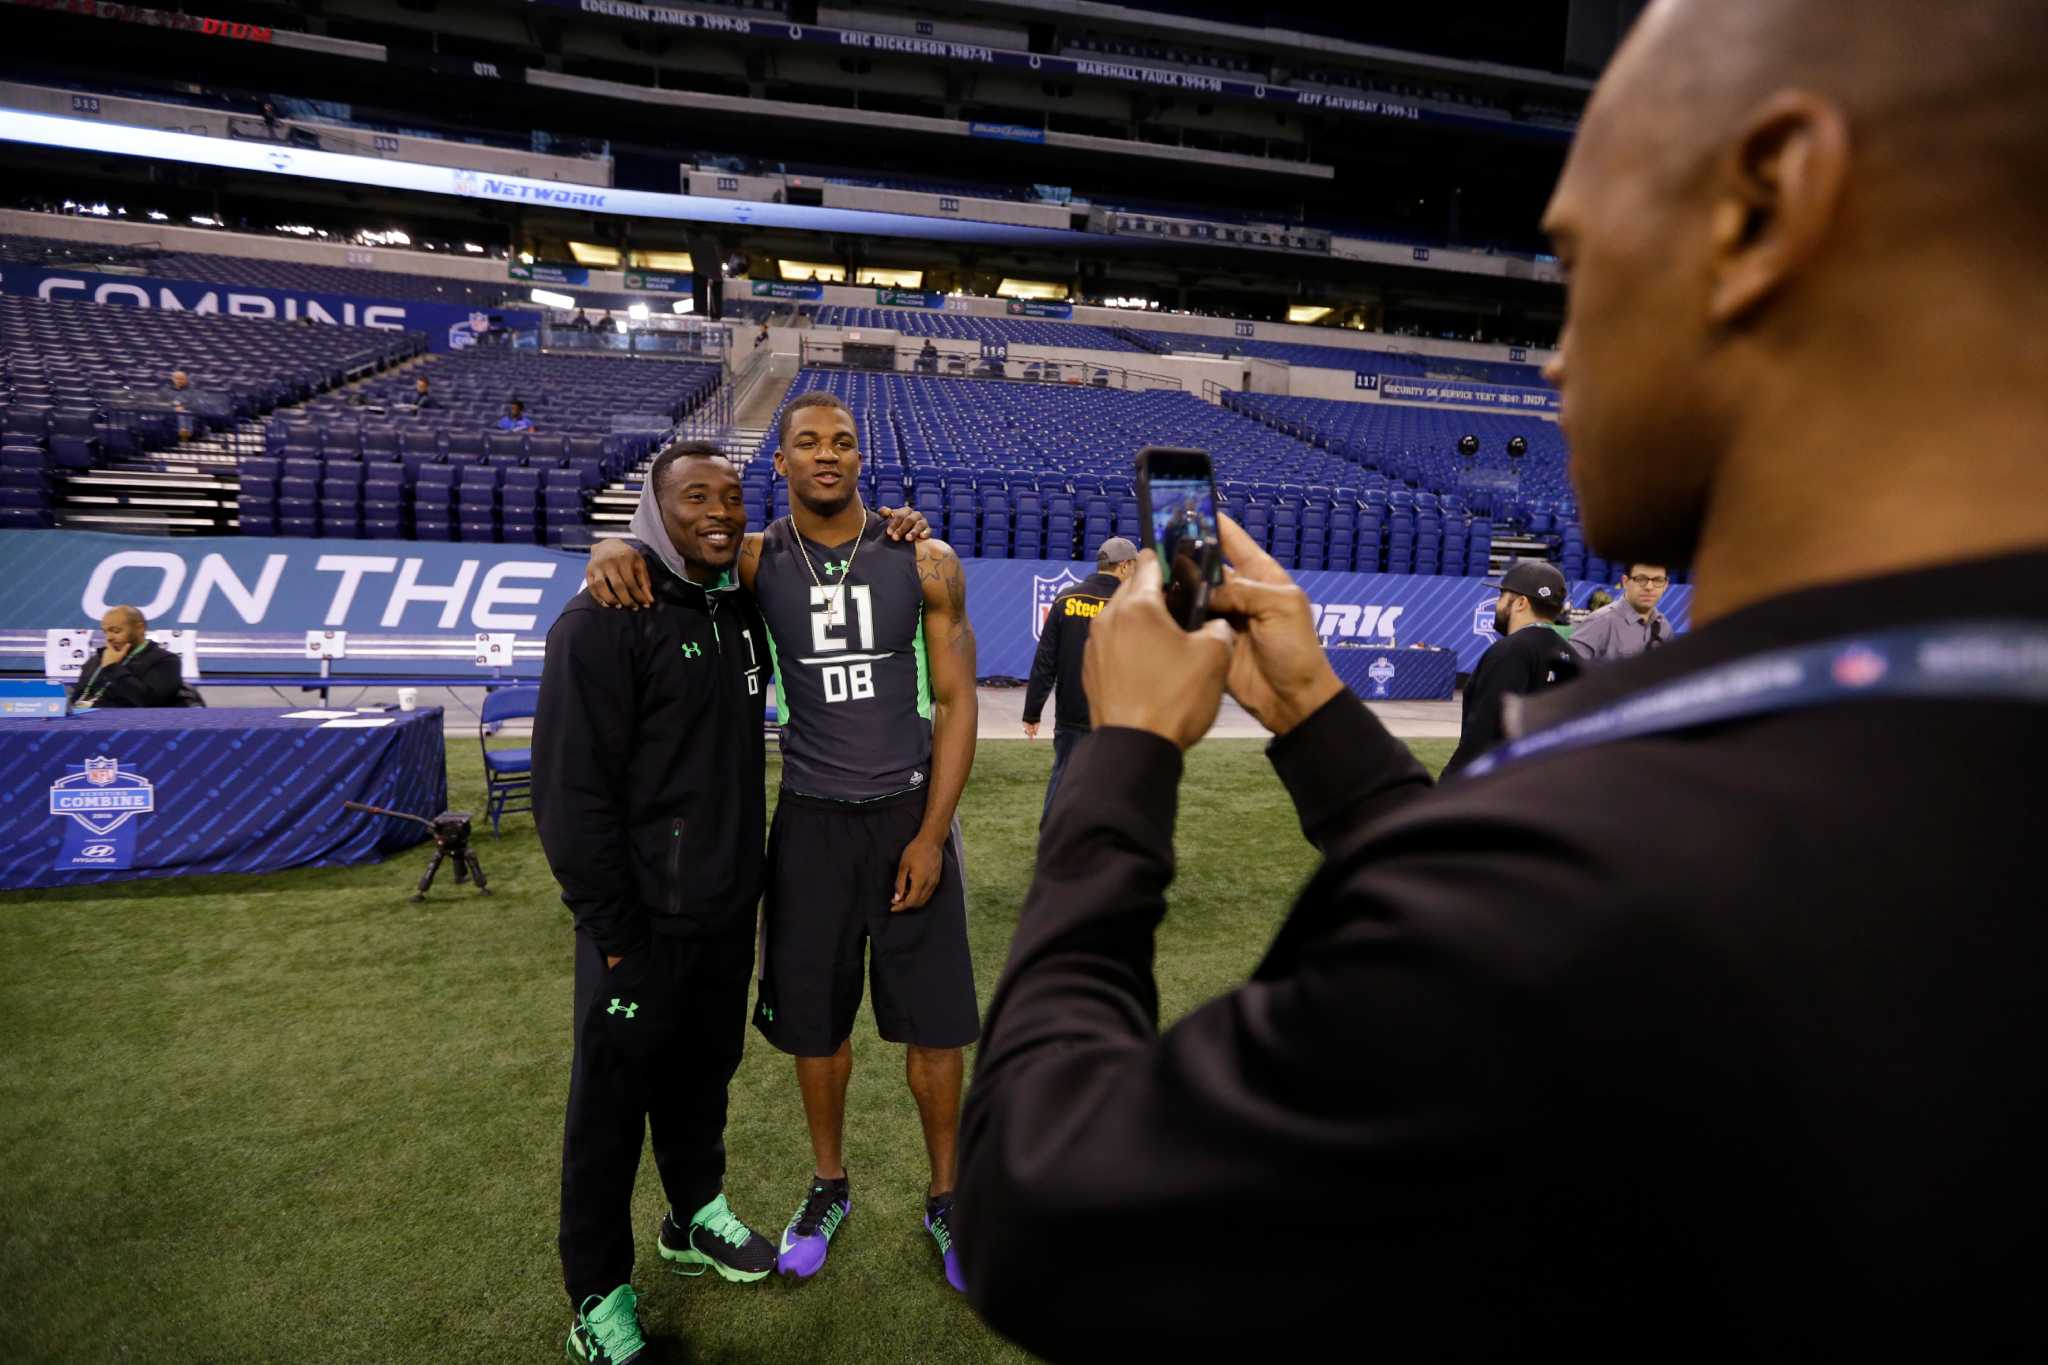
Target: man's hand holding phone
[(1142, 671), (1278, 670)]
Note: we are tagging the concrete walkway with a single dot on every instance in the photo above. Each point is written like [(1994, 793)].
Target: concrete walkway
[(1002, 710)]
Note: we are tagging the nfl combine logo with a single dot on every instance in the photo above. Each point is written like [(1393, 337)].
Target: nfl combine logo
[(1043, 591), (98, 804), (1381, 673)]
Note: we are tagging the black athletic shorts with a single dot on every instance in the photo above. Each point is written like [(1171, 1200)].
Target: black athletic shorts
[(831, 872)]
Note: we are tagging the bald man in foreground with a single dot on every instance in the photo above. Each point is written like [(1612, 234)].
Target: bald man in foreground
[(1763, 1084)]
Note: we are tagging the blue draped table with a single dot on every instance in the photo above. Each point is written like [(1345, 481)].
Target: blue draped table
[(209, 790), (1396, 674)]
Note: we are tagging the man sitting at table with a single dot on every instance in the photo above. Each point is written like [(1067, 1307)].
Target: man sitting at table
[(131, 671)]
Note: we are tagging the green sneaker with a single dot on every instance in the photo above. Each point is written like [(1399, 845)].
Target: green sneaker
[(714, 1237), (608, 1334)]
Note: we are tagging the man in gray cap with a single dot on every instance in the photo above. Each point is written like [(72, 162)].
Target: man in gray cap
[(1061, 644), (1528, 656)]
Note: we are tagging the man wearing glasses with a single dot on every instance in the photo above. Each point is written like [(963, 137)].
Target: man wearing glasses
[(1624, 629)]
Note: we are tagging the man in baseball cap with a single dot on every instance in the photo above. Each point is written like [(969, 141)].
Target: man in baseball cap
[(1528, 656), (1062, 644)]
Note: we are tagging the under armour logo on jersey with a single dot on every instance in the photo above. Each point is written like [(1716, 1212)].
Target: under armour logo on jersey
[(916, 778), (838, 565), (691, 651), (628, 1010)]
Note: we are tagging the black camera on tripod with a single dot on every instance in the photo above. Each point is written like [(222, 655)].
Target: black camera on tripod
[(451, 842)]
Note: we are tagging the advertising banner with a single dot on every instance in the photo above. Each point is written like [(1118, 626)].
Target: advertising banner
[(67, 580), (448, 326)]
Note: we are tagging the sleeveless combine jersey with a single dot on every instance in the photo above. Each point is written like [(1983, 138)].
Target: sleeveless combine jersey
[(851, 685)]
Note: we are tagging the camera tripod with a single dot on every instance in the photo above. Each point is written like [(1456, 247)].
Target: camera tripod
[(451, 842)]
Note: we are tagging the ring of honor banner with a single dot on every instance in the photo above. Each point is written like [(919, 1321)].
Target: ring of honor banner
[(179, 792)]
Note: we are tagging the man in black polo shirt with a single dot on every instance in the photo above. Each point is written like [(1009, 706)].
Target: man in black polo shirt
[(1701, 1021), (1061, 645), (1528, 657)]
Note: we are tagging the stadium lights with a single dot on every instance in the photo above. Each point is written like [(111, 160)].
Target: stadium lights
[(158, 217), (588, 253), (473, 248), (389, 237), (1131, 302), (1306, 312), (802, 271), (683, 306), (895, 279), (203, 221), (297, 229), (526, 258), (637, 312), (674, 262), (552, 299), (1030, 289), (619, 323)]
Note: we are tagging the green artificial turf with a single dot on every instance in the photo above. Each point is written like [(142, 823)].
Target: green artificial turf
[(295, 1116)]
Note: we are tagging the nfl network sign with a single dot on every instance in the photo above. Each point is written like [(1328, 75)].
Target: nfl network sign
[(100, 803)]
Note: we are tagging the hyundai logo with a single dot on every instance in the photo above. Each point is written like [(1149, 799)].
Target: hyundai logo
[(96, 851)]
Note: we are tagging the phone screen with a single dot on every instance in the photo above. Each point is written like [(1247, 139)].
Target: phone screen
[(1183, 523)]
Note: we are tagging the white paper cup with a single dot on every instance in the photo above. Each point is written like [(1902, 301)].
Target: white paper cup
[(408, 698)]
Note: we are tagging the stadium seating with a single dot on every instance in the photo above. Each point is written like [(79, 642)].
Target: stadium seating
[(1356, 359), (1419, 445), (446, 472), (83, 382), (966, 327), (1030, 472)]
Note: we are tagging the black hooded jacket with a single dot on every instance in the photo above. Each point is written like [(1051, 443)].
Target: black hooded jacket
[(648, 761)]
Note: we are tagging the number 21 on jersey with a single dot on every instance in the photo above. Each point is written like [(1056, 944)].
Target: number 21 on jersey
[(829, 610)]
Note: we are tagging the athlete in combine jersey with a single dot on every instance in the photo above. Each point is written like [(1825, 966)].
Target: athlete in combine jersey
[(874, 667), (875, 682)]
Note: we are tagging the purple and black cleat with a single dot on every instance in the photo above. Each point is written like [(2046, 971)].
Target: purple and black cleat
[(809, 1234)]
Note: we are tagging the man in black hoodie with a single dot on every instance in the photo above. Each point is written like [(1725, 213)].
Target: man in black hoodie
[(1528, 657), (1062, 643), (648, 793)]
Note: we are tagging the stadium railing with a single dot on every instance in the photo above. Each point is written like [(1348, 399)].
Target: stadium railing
[(960, 361)]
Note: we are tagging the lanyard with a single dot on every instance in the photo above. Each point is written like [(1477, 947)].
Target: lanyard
[(99, 679), (1970, 660)]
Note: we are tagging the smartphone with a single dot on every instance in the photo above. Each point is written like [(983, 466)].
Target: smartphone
[(1177, 516)]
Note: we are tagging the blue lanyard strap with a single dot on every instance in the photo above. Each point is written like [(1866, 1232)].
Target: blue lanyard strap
[(1959, 661)]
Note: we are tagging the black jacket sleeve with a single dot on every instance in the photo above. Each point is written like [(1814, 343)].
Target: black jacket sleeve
[(1497, 674), (1344, 771), (1343, 1134), (150, 679), (583, 732), (1045, 666)]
